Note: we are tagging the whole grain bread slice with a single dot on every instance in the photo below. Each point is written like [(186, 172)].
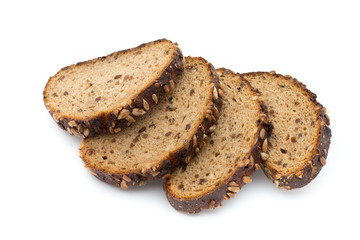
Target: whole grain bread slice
[(107, 94), (167, 136), (228, 161), (300, 137)]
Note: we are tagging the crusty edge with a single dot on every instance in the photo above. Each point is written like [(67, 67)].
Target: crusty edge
[(238, 178), (116, 119), (317, 160), (178, 157)]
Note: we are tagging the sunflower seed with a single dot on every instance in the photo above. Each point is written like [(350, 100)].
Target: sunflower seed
[(285, 187), (86, 132), (194, 141), (166, 88), (126, 178), (216, 112), (72, 123), (233, 184), (262, 133), (172, 84), (146, 105), (233, 189), (123, 185), (197, 151), (244, 163), (230, 194), (264, 155), (323, 161), (265, 145), (116, 112), (221, 93), (155, 98), (138, 112), (215, 93), (299, 174), (212, 128), (246, 179), (130, 119), (123, 114)]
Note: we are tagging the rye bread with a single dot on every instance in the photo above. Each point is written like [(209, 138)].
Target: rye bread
[(107, 94), (169, 135), (300, 138), (226, 164)]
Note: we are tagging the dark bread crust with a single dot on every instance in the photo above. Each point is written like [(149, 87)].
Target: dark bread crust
[(317, 160), (224, 190), (109, 121), (178, 157)]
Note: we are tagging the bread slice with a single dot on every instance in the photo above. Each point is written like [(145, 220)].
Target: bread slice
[(228, 161), (166, 137), (300, 137), (108, 93)]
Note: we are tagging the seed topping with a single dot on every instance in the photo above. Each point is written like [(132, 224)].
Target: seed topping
[(123, 114)]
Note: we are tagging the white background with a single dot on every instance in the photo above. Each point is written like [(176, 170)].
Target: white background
[(46, 193)]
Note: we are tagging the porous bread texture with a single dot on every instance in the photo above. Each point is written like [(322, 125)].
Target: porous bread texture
[(300, 135), (96, 88), (90, 88), (226, 164), (167, 136)]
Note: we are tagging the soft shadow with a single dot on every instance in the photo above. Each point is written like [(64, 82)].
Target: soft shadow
[(262, 183), (261, 187), (151, 186)]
